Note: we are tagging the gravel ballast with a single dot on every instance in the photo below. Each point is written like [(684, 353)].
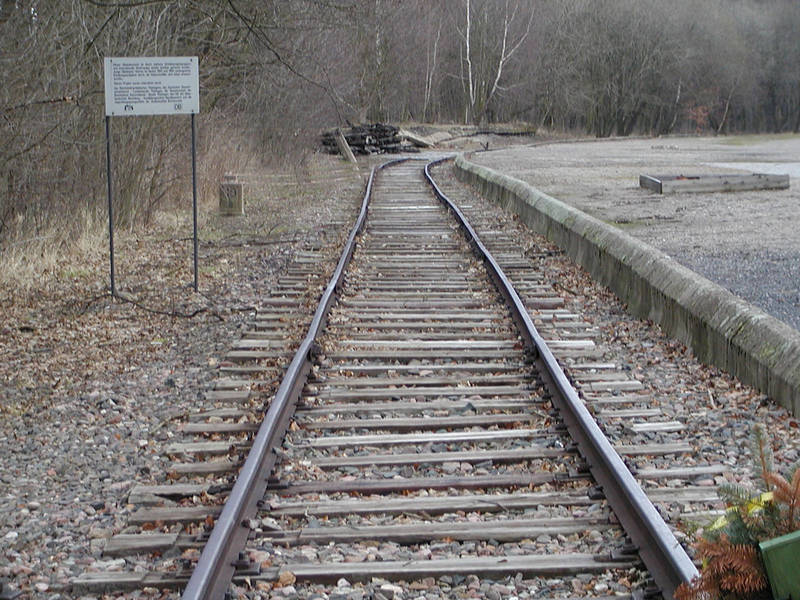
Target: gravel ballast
[(93, 389), (62, 483)]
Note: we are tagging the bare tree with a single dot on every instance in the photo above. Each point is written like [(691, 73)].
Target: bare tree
[(491, 35), (431, 63), (276, 71)]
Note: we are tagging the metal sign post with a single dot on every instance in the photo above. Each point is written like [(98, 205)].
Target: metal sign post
[(110, 206), (194, 199), (151, 86)]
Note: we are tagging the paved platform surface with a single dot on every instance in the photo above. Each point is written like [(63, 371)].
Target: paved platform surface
[(748, 242)]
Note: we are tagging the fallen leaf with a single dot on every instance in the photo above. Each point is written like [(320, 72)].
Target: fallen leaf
[(286, 578)]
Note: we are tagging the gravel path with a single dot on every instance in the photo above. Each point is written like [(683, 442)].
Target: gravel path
[(748, 242)]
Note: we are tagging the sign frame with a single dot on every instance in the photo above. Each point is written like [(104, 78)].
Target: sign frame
[(143, 86), (151, 85)]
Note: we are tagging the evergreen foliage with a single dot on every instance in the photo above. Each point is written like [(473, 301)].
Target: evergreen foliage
[(732, 568)]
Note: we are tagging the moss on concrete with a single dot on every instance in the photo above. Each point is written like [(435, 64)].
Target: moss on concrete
[(721, 328)]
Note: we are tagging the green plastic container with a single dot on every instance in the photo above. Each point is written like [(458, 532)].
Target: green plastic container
[(782, 561)]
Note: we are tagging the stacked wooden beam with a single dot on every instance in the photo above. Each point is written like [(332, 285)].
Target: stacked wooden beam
[(376, 138)]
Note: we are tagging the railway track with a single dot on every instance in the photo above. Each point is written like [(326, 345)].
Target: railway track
[(426, 437)]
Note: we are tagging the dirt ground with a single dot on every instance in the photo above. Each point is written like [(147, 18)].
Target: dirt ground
[(748, 242), (91, 388)]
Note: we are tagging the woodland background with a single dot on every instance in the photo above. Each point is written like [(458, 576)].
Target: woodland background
[(275, 72)]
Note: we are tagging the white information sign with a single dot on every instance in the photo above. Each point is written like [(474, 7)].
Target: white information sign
[(152, 86)]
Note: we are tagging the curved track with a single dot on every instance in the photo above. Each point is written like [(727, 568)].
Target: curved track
[(424, 418), (395, 372)]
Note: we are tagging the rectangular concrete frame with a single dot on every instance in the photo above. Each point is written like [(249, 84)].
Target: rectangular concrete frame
[(720, 328), (231, 196), (669, 184)]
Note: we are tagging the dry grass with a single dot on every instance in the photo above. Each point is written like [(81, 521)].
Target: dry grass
[(79, 237), (58, 321)]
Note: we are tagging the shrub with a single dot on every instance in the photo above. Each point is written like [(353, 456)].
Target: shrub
[(732, 567)]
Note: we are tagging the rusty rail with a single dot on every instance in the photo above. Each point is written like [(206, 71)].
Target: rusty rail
[(217, 563), (661, 553), (658, 548)]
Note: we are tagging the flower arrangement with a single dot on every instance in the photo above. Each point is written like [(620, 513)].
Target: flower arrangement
[(732, 566)]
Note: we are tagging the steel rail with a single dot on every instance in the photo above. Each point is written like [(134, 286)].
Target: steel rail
[(661, 553), (216, 566)]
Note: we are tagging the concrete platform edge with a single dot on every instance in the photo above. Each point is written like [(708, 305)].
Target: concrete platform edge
[(720, 328)]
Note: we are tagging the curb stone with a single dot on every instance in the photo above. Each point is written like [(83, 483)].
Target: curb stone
[(720, 328)]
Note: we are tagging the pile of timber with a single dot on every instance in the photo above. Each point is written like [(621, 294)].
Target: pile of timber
[(377, 138)]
